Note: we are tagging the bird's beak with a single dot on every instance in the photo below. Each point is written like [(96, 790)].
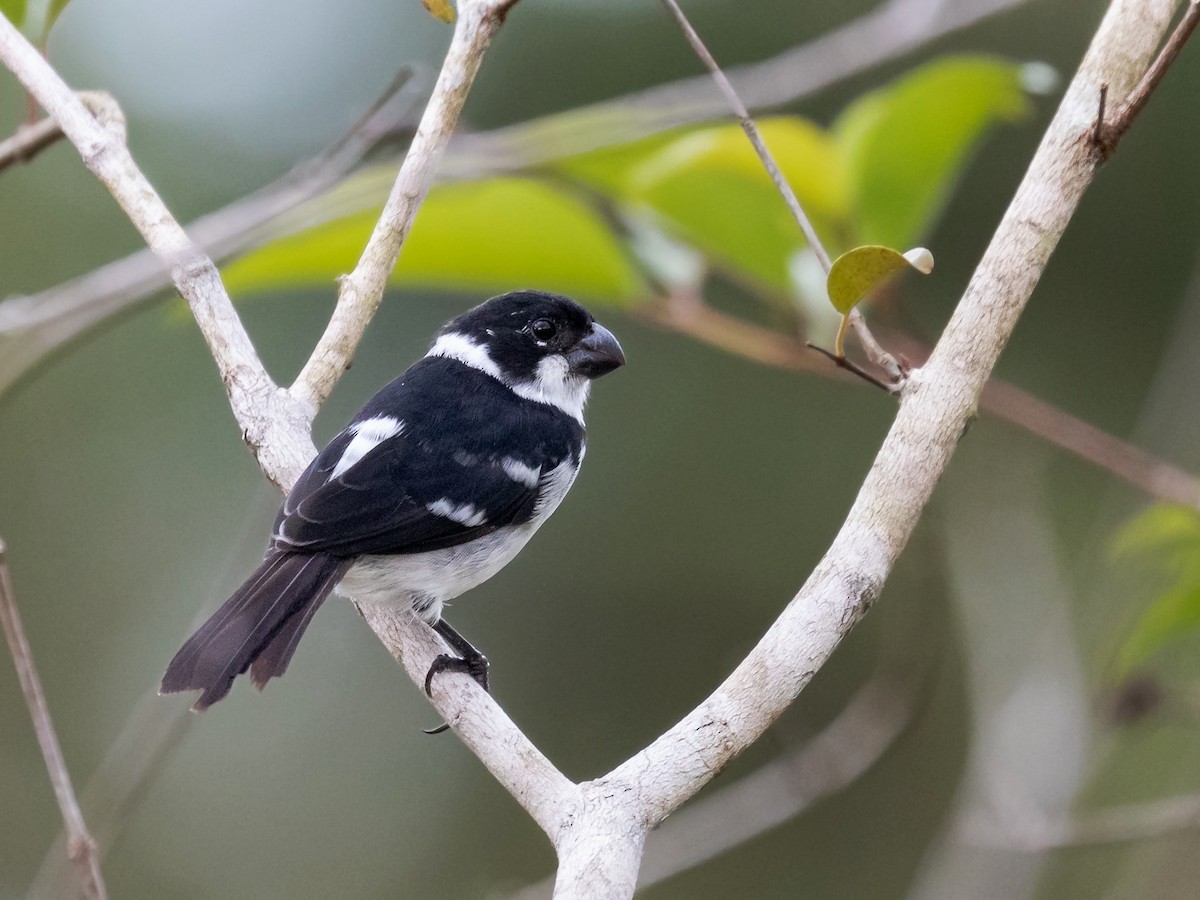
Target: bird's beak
[(597, 354)]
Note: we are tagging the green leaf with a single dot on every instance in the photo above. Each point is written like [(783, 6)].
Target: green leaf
[(905, 145), (1173, 615), (442, 10), (485, 236), (14, 11), (708, 188), (1161, 529), (1163, 539), (857, 272)]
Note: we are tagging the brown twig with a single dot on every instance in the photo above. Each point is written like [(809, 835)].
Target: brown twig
[(1057, 427), (80, 846), (852, 367), (1108, 132), (875, 351)]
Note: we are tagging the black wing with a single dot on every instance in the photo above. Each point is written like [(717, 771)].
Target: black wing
[(468, 458)]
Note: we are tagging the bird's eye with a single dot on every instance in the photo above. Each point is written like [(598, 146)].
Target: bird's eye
[(543, 329)]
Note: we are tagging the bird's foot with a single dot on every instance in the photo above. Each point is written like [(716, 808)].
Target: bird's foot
[(475, 665)]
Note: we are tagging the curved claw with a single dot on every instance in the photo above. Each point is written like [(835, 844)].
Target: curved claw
[(475, 666)]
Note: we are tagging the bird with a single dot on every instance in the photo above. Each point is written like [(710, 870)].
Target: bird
[(434, 486)]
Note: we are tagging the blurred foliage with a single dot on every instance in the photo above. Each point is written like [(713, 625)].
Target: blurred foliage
[(14, 11), (468, 236), (881, 174), (1163, 543)]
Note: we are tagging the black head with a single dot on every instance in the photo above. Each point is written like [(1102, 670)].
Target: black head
[(521, 329)]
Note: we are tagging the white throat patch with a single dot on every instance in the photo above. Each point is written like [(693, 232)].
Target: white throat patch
[(552, 383)]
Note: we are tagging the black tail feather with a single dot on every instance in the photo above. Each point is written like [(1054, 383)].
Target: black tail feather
[(259, 625)]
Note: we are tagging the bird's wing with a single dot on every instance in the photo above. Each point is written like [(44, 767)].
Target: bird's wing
[(438, 471)]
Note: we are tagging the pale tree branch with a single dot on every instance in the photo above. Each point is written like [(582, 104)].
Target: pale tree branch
[(275, 426), (50, 319), (938, 402), (361, 291), (776, 792), (80, 847)]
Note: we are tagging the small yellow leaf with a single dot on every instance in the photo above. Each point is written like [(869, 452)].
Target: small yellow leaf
[(439, 9), (857, 272)]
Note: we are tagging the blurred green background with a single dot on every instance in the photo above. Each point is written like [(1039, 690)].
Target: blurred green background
[(711, 488)]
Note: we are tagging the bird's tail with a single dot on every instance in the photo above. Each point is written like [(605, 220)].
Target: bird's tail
[(258, 627)]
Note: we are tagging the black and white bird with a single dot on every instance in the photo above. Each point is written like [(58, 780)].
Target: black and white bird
[(435, 486)]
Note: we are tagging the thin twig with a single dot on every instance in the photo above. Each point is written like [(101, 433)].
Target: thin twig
[(146, 739), (843, 362), (32, 139), (748, 126), (80, 846), (1006, 401), (1108, 133), (875, 351), (889, 31)]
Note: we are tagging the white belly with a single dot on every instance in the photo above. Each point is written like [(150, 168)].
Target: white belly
[(429, 579)]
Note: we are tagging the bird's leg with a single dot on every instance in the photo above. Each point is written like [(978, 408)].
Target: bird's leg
[(469, 660)]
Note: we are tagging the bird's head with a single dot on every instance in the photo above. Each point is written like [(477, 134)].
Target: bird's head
[(544, 346)]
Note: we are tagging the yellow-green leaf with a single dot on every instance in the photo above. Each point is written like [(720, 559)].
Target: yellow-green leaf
[(857, 272), (1171, 616), (1162, 529), (905, 145), (485, 236), (440, 9), (1164, 542), (708, 188), (14, 11)]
